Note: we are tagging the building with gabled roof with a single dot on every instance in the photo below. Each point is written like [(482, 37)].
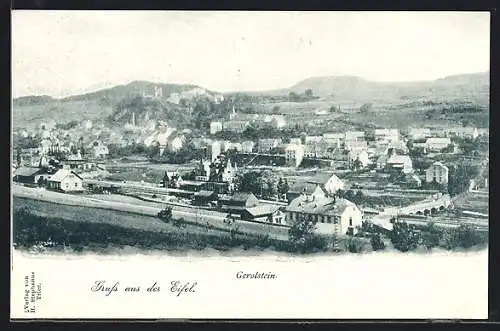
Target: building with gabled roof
[(330, 214), (66, 181)]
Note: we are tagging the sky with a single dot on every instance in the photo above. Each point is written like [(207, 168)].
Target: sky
[(62, 53)]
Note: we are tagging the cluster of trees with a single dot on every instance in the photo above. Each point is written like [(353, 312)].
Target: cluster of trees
[(296, 97), (25, 142), (405, 237), (185, 154), (67, 126), (262, 184), (258, 131), (459, 177), (303, 237)]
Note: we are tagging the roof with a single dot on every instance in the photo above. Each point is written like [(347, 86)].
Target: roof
[(399, 159), (438, 141), (264, 209), (238, 196), (333, 135), (26, 171), (323, 178), (327, 206), (303, 187), (204, 193), (439, 164), (61, 174)]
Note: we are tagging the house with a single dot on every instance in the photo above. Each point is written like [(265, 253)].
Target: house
[(294, 154), (266, 145), (265, 213), (313, 139), (66, 181), (296, 141), (399, 163), (174, 98), (276, 121), (26, 174), (330, 183), (361, 156), (330, 214), (356, 145), (215, 127), (317, 150), (419, 133), (247, 146), (354, 135), (437, 144), (301, 187), (464, 132), (235, 125), (334, 139), (204, 197), (214, 150), (386, 134), (438, 173), (100, 151), (238, 202)]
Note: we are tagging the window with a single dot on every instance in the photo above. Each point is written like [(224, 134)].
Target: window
[(350, 221), (76, 184)]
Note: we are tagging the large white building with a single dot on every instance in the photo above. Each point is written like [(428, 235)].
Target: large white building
[(331, 215), (438, 173)]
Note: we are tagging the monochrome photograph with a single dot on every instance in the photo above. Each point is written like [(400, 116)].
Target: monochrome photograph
[(278, 134)]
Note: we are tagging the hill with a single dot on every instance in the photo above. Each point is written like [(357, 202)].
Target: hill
[(474, 87), (116, 104), (32, 110)]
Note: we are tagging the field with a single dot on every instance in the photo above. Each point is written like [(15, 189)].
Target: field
[(32, 115)]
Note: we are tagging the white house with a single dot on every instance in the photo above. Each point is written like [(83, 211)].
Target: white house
[(438, 173), (386, 134), (66, 181), (334, 139), (437, 144), (419, 133), (329, 182), (215, 127), (313, 139), (354, 135), (361, 156), (247, 146), (294, 154), (265, 145), (331, 215), (296, 141), (399, 163)]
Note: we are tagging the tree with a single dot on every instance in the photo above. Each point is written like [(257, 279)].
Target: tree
[(283, 186), (377, 242), (333, 109), (165, 214), (308, 93), (166, 180), (403, 237), (365, 107), (356, 165), (464, 236), (18, 157), (354, 245), (292, 96), (301, 235), (250, 182), (431, 236)]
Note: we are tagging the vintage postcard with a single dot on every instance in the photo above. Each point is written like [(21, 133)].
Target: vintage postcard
[(230, 165)]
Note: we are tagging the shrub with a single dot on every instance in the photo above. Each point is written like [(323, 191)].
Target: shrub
[(377, 242)]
